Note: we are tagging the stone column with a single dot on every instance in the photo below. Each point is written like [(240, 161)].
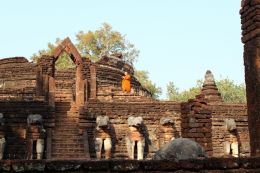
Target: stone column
[(52, 89), (103, 137), (36, 133), (135, 137), (166, 133), (250, 20), (80, 84), (93, 81)]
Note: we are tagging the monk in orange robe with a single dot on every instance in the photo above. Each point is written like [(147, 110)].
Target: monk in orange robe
[(126, 82)]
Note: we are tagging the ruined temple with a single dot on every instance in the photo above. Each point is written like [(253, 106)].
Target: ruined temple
[(83, 113), (79, 120)]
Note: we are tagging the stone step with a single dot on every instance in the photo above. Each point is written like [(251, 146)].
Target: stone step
[(67, 121), (58, 140), (66, 131), (70, 135), (66, 114), (68, 151), (62, 124), (58, 156), (65, 137), (68, 144), (68, 148), (62, 103)]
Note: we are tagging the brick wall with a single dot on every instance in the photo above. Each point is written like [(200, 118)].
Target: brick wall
[(15, 115), (18, 78), (118, 112), (238, 112), (196, 123), (65, 81)]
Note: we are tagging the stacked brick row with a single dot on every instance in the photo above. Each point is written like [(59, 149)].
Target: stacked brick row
[(209, 89), (18, 78), (118, 112), (47, 65), (220, 112), (109, 77), (67, 143), (250, 21), (86, 70), (15, 115), (196, 123), (116, 61), (65, 85)]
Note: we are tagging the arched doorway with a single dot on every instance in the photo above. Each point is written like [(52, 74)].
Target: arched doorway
[(77, 89)]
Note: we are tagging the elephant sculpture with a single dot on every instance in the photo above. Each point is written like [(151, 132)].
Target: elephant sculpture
[(135, 138), (230, 144), (166, 130), (35, 120), (103, 137)]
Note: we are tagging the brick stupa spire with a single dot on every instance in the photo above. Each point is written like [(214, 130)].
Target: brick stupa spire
[(209, 88)]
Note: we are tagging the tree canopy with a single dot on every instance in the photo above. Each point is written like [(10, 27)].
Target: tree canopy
[(105, 41), (143, 77), (230, 92), (94, 44)]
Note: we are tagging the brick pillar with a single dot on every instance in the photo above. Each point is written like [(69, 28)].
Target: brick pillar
[(79, 85), (86, 90), (39, 82), (196, 123), (250, 20), (48, 143), (93, 81), (52, 89)]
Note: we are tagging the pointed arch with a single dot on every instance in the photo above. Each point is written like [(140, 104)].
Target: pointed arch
[(67, 46)]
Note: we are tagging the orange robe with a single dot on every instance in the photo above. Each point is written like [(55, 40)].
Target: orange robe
[(126, 83)]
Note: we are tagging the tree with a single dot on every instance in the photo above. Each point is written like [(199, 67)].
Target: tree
[(143, 77), (94, 44), (105, 41), (230, 92), (174, 94), (63, 62)]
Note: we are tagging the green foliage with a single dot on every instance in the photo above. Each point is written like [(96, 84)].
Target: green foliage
[(143, 77), (105, 41), (94, 44), (49, 51), (230, 92), (64, 62), (174, 94)]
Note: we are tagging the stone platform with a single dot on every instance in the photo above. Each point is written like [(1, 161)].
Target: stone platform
[(211, 165)]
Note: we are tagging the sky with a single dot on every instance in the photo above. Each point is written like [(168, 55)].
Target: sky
[(178, 40)]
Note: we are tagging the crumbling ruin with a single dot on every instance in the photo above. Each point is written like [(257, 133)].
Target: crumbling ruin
[(85, 116), (84, 112)]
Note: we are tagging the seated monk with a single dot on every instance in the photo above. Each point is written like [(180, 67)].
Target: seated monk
[(126, 83)]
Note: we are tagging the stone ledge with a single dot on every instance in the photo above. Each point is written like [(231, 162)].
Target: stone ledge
[(208, 165)]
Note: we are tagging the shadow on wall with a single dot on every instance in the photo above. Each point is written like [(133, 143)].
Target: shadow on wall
[(147, 140)]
